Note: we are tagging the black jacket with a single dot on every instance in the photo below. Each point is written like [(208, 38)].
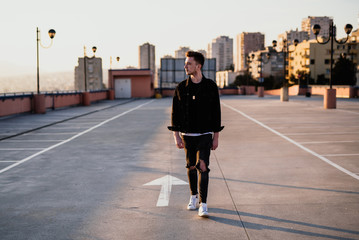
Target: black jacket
[(196, 107)]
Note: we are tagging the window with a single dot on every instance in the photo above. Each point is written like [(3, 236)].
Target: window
[(326, 61), (312, 61)]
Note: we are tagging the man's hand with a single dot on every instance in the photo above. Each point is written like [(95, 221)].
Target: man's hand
[(178, 140), (215, 141)]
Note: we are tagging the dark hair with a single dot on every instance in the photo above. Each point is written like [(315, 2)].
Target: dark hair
[(198, 57)]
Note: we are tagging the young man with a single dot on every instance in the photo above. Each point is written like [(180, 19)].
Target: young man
[(196, 123)]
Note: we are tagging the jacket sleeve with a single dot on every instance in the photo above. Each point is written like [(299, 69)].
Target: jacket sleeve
[(216, 111), (175, 116)]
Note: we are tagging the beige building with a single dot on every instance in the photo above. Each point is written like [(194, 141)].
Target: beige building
[(221, 49), (324, 22), (314, 58), (147, 57), (247, 42), (89, 71), (225, 78)]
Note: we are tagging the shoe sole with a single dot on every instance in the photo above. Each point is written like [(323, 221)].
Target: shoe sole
[(204, 216)]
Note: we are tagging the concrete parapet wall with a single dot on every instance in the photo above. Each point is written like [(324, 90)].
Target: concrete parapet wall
[(16, 104)]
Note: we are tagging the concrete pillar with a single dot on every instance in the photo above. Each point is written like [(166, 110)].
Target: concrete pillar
[(261, 91), (330, 99), (284, 95), (86, 101), (39, 104), (111, 94)]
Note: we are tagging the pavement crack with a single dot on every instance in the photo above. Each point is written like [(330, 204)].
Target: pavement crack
[(230, 194)]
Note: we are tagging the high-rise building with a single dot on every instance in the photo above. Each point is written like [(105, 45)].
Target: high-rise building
[(324, 22), (290, 36), (247, 42), (147, 57), (181, 52), (221, 49), (88, 74)]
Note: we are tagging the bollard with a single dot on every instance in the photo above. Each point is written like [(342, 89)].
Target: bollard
[(260, 91), (39, 104), (284, 96), (330, 99)]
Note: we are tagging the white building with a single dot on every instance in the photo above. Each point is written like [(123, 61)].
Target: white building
[(225, 78), (221, 49)]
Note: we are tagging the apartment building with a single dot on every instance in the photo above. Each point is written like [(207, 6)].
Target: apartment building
[(147, 57), (314, 58), (221, 49), (310, 21), (181, 52), (290, 36), (88, 74), (247, 42)]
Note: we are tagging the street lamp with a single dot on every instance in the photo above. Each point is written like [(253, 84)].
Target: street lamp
[(262, 60), (52, 33), (330, 94), (117, 59), (284, 96)]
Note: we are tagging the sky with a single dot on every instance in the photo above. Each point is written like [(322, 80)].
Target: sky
[(118, 27)]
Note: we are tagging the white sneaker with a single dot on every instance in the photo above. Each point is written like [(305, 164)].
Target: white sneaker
[(203, 210), (192, 205)]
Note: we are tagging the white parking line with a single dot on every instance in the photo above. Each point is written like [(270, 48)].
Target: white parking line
[(22, 141), (45, 134), (325, 142), (295, 143), (21, 149), (72, 138), (326, 133), (340, 155)]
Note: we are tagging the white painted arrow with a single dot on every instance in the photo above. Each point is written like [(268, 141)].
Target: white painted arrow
[(166, 183)]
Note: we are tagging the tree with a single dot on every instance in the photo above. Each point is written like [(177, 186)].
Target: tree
[(344, 72), (243, 80)]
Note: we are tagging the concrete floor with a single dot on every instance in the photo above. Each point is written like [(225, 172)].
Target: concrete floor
[(282, 171)]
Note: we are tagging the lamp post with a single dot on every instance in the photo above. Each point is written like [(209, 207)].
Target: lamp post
[(284, 95), (52, 33), (261, 79), (117, 59), (330, 94)]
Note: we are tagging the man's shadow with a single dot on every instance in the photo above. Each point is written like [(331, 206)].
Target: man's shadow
[(256, 226)]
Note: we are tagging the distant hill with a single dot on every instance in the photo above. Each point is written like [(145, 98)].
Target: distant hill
[(58, 81), (27, 83)]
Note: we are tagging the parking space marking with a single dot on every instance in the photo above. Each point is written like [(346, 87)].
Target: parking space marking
[(45, 134), (21, 149), (22, 141), (341, 155), (73, 137), (326, 133), (294, 142)]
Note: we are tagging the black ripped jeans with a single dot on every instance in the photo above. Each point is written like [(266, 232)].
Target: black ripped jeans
[(198, 148)]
